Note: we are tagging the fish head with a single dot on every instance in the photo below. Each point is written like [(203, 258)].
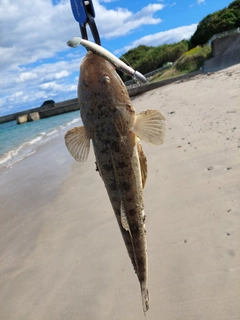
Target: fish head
[(96, 74), (101, 90)]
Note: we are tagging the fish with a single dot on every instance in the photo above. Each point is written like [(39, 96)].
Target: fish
[(111, 123), (119, 64)]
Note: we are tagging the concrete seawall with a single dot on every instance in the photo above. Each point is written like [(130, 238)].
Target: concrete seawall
[(13, 116), (59, 108), (226, 52), (153, 85)]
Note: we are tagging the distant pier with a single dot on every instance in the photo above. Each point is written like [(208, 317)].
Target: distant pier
[(53, 109), (48, 109)]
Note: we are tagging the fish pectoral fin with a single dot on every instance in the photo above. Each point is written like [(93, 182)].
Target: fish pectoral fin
[(143, 163), (78, 143), (150, 126), (123, 216)]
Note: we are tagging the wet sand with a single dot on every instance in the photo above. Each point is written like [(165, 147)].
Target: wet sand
[(62, 255)]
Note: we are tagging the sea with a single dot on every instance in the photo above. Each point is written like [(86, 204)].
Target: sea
[(20, 141)]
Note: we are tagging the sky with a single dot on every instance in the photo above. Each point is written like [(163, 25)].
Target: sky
[(37, 65)]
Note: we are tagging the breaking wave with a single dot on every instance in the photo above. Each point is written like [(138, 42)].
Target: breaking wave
[(18, 142)]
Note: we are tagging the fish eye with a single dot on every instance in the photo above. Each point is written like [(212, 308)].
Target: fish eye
[(106, 80)]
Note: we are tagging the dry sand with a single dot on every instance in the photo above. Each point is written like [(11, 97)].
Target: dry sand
[(61, 253)]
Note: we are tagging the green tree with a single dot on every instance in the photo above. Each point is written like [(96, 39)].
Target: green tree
[(217, 22), (235, 5), (226, 20), (146, 59)]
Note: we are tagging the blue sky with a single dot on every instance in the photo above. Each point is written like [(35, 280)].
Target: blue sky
[(37, 65)]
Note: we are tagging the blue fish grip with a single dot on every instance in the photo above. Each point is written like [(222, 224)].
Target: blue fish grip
[(84, 14), (81, 10)]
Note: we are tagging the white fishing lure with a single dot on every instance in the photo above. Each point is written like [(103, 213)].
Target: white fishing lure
[(95, 48)]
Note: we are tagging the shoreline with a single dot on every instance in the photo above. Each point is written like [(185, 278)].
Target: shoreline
[(61, 252), (17, 143)]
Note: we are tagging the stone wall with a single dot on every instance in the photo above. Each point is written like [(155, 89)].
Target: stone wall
[(224, 45), (226, 52)]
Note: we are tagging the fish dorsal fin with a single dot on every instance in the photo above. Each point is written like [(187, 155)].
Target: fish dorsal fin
[(150, 126), (124, 221), (143, 163), (78, 143)]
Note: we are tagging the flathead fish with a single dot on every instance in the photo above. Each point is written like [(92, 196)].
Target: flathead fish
[(115, 129)]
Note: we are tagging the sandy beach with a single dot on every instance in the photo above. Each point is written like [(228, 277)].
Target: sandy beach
[(61, 252)]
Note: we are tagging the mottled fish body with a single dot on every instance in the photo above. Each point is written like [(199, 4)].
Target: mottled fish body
[(110, 121)]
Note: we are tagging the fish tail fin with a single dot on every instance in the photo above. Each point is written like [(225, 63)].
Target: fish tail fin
[(145, 297)]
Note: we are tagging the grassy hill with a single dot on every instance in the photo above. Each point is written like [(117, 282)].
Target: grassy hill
[(191, 60), (146, 59)]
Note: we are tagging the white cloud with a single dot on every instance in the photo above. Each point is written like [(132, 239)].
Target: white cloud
[(18, 94), (48, 85), (39, 29), (119, 22), (62, 74), (39, 94), (32, 38), (198, 2), (43, 73), (170, 36), (26, 76), (33, 91), (35, 61), (55, 87), (15, 95)]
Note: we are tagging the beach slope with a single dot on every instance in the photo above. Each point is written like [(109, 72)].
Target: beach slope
[(61, 253)]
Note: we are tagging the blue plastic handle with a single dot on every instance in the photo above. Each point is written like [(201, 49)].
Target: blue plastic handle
[(81, 9)]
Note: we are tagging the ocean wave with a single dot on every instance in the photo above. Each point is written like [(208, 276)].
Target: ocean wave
[(7, 156), (27, 148), (58, 129), (74, 120), (19, 153), (22, 151), (17, 159), (52, 132), (70, 123), (37, 139)]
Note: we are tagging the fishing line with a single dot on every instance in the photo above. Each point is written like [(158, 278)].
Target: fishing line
[(51, 27), (59, 31), (111, 49)]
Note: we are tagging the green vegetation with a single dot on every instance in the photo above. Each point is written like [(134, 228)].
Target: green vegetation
[(217, 22), (190, 61), (146, 59), (193, 59)]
